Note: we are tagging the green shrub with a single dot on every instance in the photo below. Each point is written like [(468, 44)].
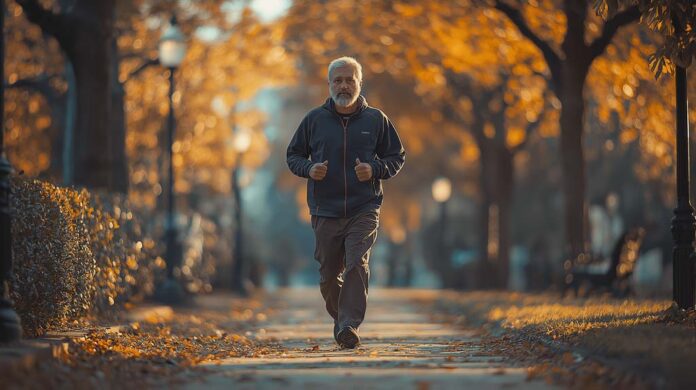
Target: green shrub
[(75, 253), (53, 265), (126, 254)]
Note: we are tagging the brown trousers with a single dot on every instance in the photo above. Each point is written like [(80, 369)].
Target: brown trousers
[(343, 251)]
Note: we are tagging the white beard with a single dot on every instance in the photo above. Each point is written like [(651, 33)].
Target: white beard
[(343, 100)]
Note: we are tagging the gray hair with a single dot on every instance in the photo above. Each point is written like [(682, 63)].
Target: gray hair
[(345, 61)]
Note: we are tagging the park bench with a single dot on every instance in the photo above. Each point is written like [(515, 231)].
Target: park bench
[(616, 280)]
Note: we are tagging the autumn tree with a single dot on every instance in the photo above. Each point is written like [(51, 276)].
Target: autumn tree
[(464, 64), (85, 32), (244, 56), (493, 83), (37, 106), (215, 83), (674, 20), (319, 32), (231, 57), (569, 45)]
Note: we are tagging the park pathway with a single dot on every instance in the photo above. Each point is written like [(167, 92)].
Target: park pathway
[(402, 348)]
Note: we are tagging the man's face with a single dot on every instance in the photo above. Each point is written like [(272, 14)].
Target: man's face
[(344, 86)]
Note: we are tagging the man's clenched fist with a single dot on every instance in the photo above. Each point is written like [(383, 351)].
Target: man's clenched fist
[(318, 170), (363, 170)]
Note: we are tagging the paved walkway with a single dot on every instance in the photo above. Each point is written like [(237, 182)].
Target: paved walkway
[(402, 348)]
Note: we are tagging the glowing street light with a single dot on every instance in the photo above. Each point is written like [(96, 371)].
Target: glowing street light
[(172, 46), (442, 189), (242, 142)]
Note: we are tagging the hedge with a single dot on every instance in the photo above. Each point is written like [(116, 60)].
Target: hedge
[(75, 253)]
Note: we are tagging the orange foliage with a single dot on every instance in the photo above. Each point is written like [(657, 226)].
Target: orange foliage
[(216, 78), (27, 113), (245, 57)]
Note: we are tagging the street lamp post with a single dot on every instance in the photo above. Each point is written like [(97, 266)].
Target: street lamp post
[(442, 190), (172, 49), (10, 328), (684, 287), (241, 143)]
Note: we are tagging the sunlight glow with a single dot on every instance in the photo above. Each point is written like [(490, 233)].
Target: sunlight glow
[(270, 9), (442, 189)]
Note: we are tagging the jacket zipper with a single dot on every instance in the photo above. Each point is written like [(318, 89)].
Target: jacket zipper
[(345, 174)]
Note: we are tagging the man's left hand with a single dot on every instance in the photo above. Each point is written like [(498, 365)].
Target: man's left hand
[(363, 170)]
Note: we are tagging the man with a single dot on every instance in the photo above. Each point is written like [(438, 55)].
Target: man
[(345, 148)]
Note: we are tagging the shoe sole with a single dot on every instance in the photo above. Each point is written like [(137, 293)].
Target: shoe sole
[(348, 339)]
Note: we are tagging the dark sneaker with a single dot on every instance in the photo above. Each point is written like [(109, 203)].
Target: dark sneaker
[(348, 338), (335, 331)]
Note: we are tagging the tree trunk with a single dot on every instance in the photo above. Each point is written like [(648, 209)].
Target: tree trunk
[(86, 36), (572, 158), (408, 258), (496, 180), (449, 279), (92, 131), (570, 81), (568, 71), (485, 269), (505, 178), (69, 130), (58, 113), (487, 178), (119, 170)]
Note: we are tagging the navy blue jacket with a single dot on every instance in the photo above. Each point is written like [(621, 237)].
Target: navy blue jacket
[(368, 135)]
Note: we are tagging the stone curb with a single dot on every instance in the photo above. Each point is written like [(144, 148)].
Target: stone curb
[(27, 354)]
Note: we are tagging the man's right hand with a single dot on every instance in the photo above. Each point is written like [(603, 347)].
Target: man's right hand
[(318, 170)]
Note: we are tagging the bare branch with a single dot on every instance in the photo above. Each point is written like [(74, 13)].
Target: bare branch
[(610, 28), (41, 84), (50, 22), (552, 58), (146, 64)]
